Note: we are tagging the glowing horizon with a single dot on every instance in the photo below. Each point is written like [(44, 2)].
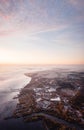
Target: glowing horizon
[(41, 32)]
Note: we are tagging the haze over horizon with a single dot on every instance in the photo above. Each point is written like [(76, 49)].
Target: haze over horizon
[(41, 31)]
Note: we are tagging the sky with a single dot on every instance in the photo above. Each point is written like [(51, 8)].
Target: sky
[(41, 31)]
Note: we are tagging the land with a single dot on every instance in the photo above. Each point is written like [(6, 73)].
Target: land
[(55, 97)]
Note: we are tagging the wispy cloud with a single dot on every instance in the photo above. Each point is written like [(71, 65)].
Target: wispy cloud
[(42, 27), (5, 33), (37, 16), (77, 3)]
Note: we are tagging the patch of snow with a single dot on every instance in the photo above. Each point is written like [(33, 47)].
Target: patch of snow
[(39, 99), (43, 104), (38, 94), (37, 89), (51, 90), (55, 99)]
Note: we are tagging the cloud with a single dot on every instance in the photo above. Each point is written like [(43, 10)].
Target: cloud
[(77, 3), (30, 16), (26, 12), (7, 32)]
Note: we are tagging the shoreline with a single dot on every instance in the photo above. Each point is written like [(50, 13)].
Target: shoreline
[(31, 102)]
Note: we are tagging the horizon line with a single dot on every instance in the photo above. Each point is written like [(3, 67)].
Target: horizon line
[(38, 64)]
